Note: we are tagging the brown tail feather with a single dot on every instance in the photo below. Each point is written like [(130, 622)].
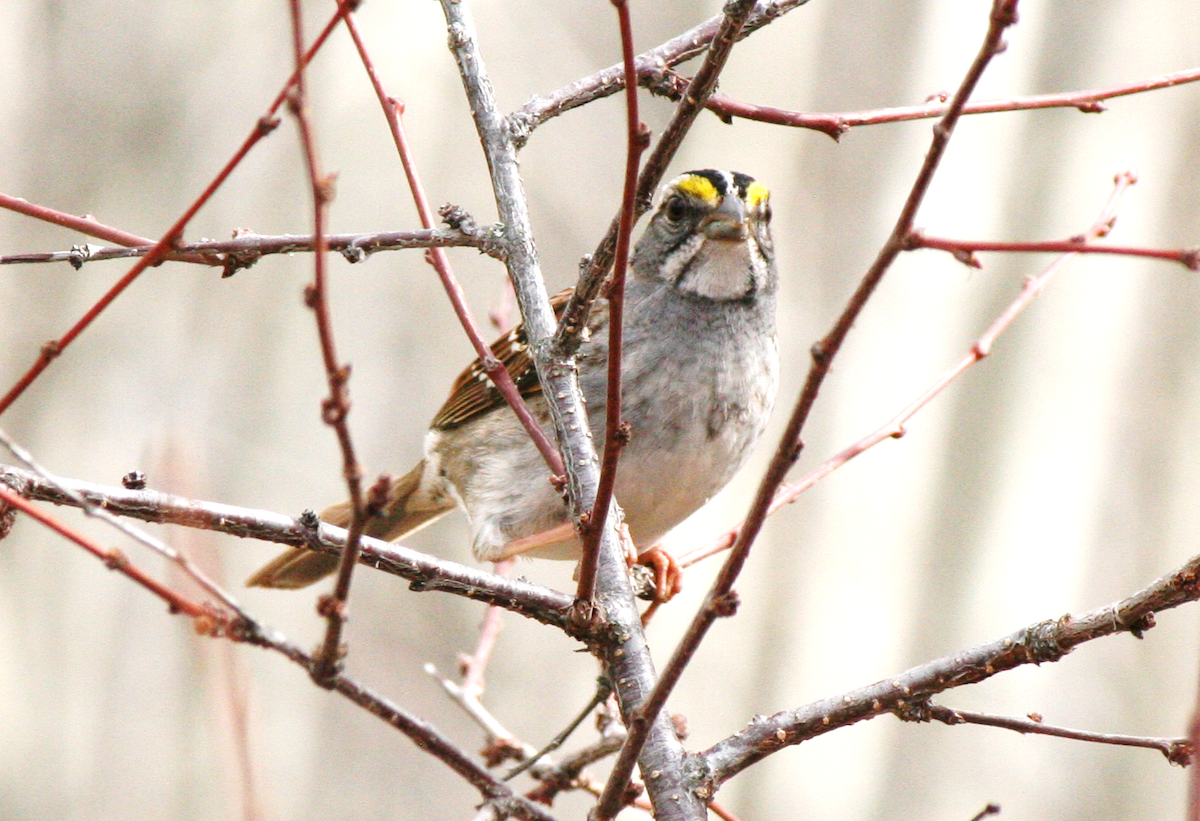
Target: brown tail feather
[(409, 508)]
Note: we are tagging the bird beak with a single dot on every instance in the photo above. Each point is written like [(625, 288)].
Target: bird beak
[(728, 222)]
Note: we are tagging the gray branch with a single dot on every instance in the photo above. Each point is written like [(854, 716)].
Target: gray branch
[(245, 249), (907, 694), (625, 654), (425, 572), (650, 66)]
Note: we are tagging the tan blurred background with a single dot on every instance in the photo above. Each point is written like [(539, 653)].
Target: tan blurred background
[(1057, 476)]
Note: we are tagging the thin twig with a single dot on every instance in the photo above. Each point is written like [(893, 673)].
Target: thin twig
[(569, 773), (208, 619), (616, 433), (335, 408), (468, 700), (436, 257), (1088, 101), (722, 600), (964, 249), (245, 248), (98, 511), (1177, 750), (1039, 643), (264, 126), (603, 691), (896, 427)]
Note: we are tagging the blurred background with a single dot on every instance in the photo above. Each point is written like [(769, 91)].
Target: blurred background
[(1059, 475)]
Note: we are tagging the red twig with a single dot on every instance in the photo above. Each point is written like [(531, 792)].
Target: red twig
[(964, 250), (835, 125), (894, 428), (334, 409), (721, 600), (392, 109), (265, 125), (89, 226), (213, 621), (616, 432), (493, 621)]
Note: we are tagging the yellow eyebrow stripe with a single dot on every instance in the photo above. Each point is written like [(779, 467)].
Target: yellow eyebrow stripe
[(698, 187), (756, 194)]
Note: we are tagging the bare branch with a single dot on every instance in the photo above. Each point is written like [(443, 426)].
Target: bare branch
[(835, 125), (264, 126), (336, 407), (616, 432), (246, 247), (1177, 750), (964, 250), (426, 573), (86, 225), (722, 600), (649, 65), (1039, 643), (626, 659), (137, 534)]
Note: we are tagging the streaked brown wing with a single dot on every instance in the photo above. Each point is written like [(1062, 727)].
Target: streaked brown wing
[(474, 394)]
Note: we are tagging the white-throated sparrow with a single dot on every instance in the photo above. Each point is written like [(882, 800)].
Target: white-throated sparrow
[(699, 366)]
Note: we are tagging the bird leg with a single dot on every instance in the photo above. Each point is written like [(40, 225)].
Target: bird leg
[(668, 575), (555, 535)]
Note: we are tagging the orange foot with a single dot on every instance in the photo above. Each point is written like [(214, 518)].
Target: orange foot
[(668, 575)]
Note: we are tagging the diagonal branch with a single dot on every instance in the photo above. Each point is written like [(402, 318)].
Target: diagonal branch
[(721, 600), (1046, 641), (264, 126), (896, 427)]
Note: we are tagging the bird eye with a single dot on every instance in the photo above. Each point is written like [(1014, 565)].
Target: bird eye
[(675, 209)]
